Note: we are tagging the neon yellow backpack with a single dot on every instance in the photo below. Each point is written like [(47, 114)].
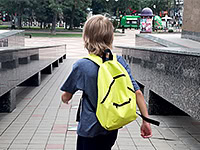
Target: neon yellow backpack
[(116, 104)]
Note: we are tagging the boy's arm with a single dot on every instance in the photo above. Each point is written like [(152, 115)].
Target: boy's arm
[(66, 96), (146, 131)]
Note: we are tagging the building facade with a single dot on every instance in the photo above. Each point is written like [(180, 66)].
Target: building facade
[(191, 20)]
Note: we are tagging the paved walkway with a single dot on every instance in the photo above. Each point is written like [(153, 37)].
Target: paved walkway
[(42, 122)]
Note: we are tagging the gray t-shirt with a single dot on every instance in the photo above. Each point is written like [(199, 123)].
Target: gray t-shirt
[(84, 77)]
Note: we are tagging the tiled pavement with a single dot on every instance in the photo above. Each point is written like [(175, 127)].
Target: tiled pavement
[(41, 121)]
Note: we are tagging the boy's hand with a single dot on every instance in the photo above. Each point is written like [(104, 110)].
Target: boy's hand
[(67, 101), (66, 97), (146, 131)]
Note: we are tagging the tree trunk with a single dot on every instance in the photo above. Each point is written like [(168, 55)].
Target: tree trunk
[(66, 23), (53, 28), (19, 21), (41, 25), (71, 26)]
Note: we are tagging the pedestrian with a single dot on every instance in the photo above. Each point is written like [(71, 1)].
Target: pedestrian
[(98, 36)]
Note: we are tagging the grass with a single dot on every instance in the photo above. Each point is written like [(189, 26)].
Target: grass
[(53, 35), (60, 32), (37, 32), (36, 28), (4, 27), (58, 29)]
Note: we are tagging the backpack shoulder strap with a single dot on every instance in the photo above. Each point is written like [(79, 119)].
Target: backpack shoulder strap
[(114, 57), (96, 59)]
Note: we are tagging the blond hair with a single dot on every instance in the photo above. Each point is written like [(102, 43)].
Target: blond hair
[(98, 34)]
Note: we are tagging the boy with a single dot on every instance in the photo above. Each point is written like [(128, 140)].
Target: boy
[(98, 36)]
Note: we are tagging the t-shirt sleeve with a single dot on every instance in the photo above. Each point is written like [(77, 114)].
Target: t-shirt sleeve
[(73, 82), (126, 66)]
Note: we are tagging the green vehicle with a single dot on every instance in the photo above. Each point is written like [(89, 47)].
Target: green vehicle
[(130, 22)]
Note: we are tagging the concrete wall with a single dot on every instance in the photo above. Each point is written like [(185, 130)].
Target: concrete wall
[(191, 20)]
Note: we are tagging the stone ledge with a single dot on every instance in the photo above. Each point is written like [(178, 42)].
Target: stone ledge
[(23, 67), (157, 40), (172, 50), (169, 75), (191, 35)]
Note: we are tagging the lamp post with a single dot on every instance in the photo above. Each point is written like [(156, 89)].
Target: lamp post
[(107, 6), (117, 15), (154, 6)]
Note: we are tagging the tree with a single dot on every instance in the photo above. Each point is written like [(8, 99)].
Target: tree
[(47, 11), (157, 5), (99, 6), (16, 9), (75, 11), (42, 13), (113, 7), (55, 6)]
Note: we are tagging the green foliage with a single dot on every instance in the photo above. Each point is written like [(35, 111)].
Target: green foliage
[(42, 10), (126, 6), (157, 5), (115, 7), (74, 12), (14, 7), (47, 11), (99, 6)]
